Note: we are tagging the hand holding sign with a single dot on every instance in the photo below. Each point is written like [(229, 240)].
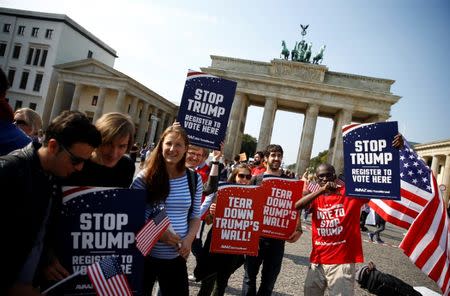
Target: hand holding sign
[(205, 108)]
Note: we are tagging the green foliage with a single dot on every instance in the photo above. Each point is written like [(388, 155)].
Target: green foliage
[(291, 166), (314, 162), (248, 145), (321, 158)]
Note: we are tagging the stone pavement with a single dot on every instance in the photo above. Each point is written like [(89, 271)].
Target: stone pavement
[(387, 257)]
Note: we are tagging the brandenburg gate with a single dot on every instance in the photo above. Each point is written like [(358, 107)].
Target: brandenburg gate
[(305, 88)]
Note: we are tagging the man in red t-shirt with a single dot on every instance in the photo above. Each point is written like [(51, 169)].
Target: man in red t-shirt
[(336, 238), (260, 166)]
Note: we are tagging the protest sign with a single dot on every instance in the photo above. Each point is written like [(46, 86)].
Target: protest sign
[(96, 223), (205, 108), (371, 163), (236, 224), (279, 213)]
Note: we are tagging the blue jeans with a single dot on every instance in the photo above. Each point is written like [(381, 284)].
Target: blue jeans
[(270, 255)]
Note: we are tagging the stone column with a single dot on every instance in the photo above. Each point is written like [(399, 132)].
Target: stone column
[(120, 100), (377, 118), (76, 97), (154, 123), (133, 108), (241, 127), (344, 117), (57, 102), (233, 125), (100, 104), (307, 139), (446, 177), (332, 139), (160, 128), (143, 123), (265, 131), (435, 165)]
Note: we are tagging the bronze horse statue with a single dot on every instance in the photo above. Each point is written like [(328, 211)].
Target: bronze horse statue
[(319, 56), (295, 53), (284, 51)]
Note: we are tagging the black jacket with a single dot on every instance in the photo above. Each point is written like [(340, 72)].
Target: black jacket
[(384, 284), (26, 191)]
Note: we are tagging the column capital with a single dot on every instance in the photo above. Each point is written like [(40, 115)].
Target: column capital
[(312, 109)]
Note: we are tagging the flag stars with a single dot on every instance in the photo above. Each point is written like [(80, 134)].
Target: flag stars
[(420, 172), (406, 165), (424, 179), (415, 164), (402, 157), (414, 181), (410, 173)]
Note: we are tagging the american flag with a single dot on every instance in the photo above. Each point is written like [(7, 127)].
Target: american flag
[(427, 241), (108, 278), (152, 231), (415, 191), (421, 210), (314, 186)]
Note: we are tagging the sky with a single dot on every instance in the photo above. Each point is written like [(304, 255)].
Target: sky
[(404, 40)]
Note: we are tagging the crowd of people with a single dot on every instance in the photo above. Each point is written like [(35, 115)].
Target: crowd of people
[(177, 176)]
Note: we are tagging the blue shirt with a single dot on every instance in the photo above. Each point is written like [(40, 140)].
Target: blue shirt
[(177, 206)]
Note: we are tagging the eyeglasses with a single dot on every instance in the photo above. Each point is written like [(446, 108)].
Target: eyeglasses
[(248, 177), (75, 160), (20, 122), (193, 154)]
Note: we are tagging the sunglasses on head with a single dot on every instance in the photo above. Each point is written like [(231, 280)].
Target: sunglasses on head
[(20, 122), (248, 177), (75, 160)]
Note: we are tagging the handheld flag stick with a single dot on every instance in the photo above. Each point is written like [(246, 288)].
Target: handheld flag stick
[(62, 282)]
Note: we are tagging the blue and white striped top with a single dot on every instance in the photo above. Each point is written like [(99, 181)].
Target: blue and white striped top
[(177, 207)]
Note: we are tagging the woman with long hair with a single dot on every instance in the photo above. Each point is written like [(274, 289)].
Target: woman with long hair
[(165, 177), (224, 265)]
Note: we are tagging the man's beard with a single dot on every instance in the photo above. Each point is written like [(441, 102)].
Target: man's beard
[(274, 166)]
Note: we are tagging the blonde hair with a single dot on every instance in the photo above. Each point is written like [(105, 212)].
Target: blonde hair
[(32, 118), (115, 125)]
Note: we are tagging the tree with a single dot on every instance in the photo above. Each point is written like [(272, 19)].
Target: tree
[(320, 158), (314, 162), (248, 145)]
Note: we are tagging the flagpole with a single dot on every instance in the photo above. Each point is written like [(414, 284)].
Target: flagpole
[(62, 282)]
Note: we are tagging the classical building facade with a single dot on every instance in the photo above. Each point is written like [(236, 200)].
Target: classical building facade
[(437, 156), (302, 88), (31, 43), (54, 64), (95, 88)]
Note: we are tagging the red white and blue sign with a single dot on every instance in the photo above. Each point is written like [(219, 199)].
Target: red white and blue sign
[(372, 168), (96, 223), (205, 108)]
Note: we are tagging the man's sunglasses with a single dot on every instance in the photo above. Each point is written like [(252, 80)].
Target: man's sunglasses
[(248, 177), (327, 175), (75, 160)]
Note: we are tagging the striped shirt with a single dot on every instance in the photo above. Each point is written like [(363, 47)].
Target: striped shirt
[(177, 207)]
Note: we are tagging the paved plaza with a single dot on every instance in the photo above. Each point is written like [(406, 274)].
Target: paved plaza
[(388, 258)]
